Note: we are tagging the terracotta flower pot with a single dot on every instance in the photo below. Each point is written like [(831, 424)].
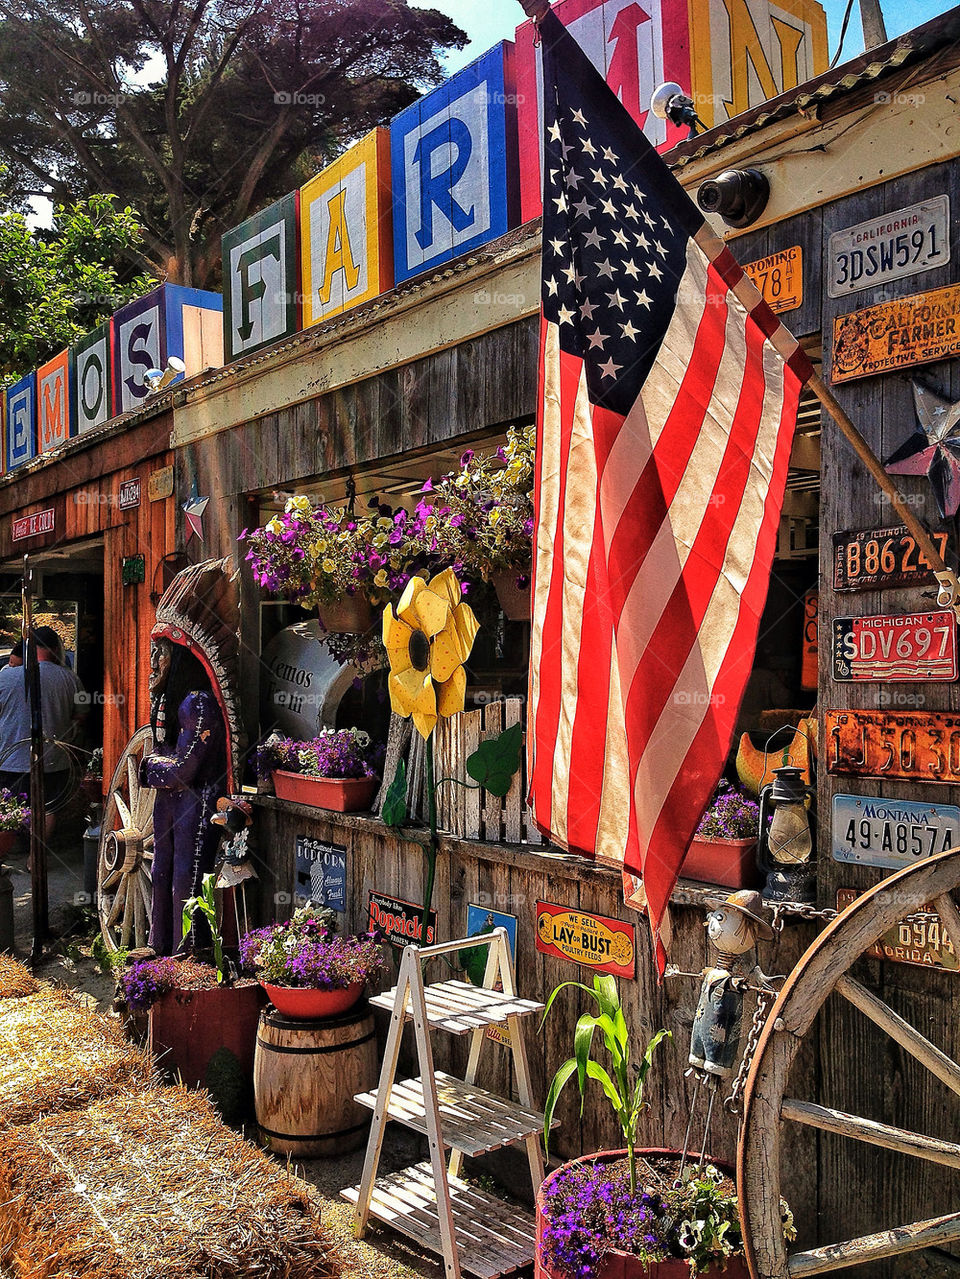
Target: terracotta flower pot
[(731, 862), (625, 1265), (341, 794), (351, 615), (8, 839), (311, 1005), (514, 599), (186, 1027)]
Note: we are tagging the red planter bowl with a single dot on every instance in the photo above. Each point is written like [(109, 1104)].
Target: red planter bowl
[(340, 794), (312, 1005), (514, 600), (624, 1265), (731, 862)]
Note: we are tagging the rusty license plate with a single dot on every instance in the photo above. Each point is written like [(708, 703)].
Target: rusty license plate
[(896, 649), (906, 745), (870, 559), (918, 939)]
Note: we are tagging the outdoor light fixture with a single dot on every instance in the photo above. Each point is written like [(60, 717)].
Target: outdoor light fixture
[(785, 845), (738, 196), (159, 379), (669, 102)]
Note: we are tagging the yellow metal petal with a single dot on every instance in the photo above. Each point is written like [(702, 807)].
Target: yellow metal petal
[(451, 696), (407, 689), (424, 723), (433, 611), (407, 608), (467, 627), (446, 653), (396, 640), (447, 586)]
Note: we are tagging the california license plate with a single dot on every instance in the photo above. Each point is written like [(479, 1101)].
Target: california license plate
[(892, 833), (921, 746), (906, 648)]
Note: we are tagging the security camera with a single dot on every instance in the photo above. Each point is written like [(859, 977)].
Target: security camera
[(738, 196), (159, 379), (669, 102)]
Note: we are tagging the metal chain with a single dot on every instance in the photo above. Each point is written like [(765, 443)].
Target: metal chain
[(765, 999), (783, 910)]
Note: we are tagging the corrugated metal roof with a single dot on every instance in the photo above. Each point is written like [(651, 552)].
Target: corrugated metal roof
[(939, 33)]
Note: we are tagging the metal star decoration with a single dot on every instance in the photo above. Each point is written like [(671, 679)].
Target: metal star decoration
[(193, 509), (933, 449)]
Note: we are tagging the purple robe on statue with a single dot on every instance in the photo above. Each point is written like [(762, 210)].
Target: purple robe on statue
[(188, 782)]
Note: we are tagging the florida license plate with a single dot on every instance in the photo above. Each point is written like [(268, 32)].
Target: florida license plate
[(905, 648), (918, 939), (891, 833)]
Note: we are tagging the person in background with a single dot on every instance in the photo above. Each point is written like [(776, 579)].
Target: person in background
[(63, 706)]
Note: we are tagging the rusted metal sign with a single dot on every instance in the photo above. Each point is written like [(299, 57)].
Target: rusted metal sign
[(892, 833), (895, 335), (870, 559), (922, 746), (896, 649), (918, 939), (779, 277)]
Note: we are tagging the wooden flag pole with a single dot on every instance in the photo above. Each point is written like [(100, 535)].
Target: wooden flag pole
[(949, 596)]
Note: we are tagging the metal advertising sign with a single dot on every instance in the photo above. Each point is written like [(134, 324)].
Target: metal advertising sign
[(895, 335), (129, 494), (890, 247), (918, 939), (871, 559), (906, 648), (779, 277), (160, 484), (33, 525), (891, 833), (907, 746), (400, 922), (603, 944), (322, 873)]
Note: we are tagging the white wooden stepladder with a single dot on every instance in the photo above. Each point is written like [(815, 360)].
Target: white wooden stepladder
[(472, 1230)]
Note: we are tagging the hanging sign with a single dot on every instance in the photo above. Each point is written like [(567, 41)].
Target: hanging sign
[(779, 277), (400, 922), (809, 660), (133, 570), (129, 495), (33, 525), (895, 335), (160, 484), (871, 559), (921, 746), (322, 873), (891, 833), (906, 648), (603, 944), (918, 939), (890, 247)]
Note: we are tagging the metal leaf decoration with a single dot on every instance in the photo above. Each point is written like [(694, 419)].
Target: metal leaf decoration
[(497, 760), (394, 811)]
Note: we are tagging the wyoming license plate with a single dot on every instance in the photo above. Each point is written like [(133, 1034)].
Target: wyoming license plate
[(905, 648), (892, 833)]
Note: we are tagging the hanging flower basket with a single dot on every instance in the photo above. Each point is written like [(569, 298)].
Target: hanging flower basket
[(341, 794), (349, 615), (730, 862), (310, 1004), (514, 600)]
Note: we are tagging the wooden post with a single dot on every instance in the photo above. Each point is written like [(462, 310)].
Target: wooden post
[(38, 813)]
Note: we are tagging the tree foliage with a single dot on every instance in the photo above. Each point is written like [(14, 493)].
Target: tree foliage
[(200, 111), (57, 284)]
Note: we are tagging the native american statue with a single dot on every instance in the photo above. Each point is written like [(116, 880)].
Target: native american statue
[(157, 841)]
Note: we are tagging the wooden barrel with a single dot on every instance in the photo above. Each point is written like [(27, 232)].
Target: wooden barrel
[(305, 1075)]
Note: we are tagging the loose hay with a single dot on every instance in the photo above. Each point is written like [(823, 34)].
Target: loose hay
[(151, 1186), (15, 980), (57, 1054)]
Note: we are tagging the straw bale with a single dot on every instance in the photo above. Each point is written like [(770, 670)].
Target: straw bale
[(15, 980), (58, 1054), (152, 1185)]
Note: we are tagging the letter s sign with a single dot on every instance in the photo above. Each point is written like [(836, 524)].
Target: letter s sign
[(139, 350)]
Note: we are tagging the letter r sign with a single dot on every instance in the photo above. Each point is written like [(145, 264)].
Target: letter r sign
[(454, 165)]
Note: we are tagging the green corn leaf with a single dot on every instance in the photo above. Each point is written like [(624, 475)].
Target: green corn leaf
[(556, 991), (597, 1072), (582, 1044), (556, 1087), (394, 811), (496, 761)]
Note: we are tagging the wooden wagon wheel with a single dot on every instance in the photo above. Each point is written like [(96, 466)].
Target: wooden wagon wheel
[(125, 861), (821, 971)]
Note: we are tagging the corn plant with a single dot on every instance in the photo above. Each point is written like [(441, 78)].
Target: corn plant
[(207, 906), (625, 1095)]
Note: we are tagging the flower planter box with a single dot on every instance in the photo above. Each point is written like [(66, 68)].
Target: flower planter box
[(730, 862), (186, 1028), (514, 600), (625, 1265), (340, 794), (352, 615), (301, 1004)]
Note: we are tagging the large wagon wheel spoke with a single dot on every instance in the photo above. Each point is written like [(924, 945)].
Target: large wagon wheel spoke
[(823, 970), (125, 863)]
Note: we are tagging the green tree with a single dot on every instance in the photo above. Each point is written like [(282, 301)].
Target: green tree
[(57, 284), (200, 111)]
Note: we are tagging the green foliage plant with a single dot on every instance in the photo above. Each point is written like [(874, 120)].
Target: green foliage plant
[(207, 906)]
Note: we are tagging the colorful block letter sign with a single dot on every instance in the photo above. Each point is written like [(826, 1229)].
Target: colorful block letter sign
[(21, 421), (261, 279), (172, 320), (454, 165), (53, 402), (92, 396), (345, 234)]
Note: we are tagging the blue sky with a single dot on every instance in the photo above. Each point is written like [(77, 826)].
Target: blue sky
[(487, 21)]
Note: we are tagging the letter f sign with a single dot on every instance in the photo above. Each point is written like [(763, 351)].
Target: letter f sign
[(437, 188)]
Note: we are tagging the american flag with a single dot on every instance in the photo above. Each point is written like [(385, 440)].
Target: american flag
[(668, 400)]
